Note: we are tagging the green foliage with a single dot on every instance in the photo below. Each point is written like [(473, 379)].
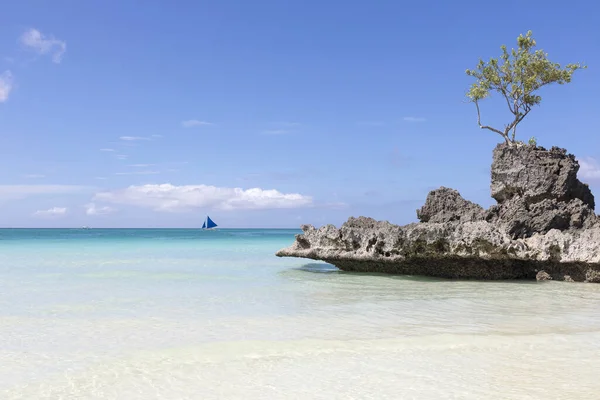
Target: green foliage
[(517, 77), (532, 141)]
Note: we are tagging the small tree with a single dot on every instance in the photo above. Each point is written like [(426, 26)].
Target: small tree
[(519, 75)]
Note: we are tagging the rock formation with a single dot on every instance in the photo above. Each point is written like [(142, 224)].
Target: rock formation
[(538, 190), (543, 227), (447, 205)]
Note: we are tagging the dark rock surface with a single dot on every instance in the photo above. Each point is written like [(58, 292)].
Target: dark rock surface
[(536, 173), (537, 190), (544, 222), (447, 205)]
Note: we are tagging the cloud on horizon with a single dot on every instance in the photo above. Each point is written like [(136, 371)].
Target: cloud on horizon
[(6, 84), (172, 198), (52, 212), (42, 44), (93, 209), (190, 123), (589, 170)]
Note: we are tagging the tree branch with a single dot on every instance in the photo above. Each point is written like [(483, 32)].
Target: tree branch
[(516, 122), (502, 88), (503, 91), (504, 135)]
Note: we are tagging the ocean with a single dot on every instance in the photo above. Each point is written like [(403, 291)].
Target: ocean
[(189, 314)]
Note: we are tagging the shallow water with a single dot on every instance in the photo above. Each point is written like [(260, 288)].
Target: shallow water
[(184, 314)]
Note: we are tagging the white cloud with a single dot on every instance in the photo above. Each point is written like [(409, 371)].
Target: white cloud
[(167, 197), (11, 192), (43, 44), (414, 119), (93, 209), (589, 170), (141, 165), (190, 123), (35, 176), (53, 212), (107, 150), (121, 156), (6, 83), (132, 138)]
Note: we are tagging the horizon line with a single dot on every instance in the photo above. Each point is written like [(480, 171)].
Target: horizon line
[(131, 227)]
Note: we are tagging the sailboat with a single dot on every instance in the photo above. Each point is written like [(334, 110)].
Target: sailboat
[(208, 223)]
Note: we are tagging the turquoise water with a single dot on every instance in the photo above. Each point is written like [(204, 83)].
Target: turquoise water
[(188, 314)]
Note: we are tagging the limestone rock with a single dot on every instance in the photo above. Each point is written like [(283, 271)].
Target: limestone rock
[(537, 190), (447, 205), (543, 276), (521, 219), (470, 250), (544, 222), (536, 173)]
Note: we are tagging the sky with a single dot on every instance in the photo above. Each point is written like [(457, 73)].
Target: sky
[(268, 113)]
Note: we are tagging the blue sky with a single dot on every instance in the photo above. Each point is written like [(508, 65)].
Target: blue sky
[(267, 113)]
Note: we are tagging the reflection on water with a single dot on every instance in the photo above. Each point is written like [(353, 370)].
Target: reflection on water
[(157, 317), (319, 268)]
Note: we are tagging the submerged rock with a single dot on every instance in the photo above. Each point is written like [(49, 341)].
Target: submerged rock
[(543, 276), (544, 221)]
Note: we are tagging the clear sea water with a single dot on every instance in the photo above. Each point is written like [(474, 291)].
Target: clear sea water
[(186, 314)]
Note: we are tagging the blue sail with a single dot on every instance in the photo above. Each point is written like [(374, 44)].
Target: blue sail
[(210, 223), (204, 225)]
